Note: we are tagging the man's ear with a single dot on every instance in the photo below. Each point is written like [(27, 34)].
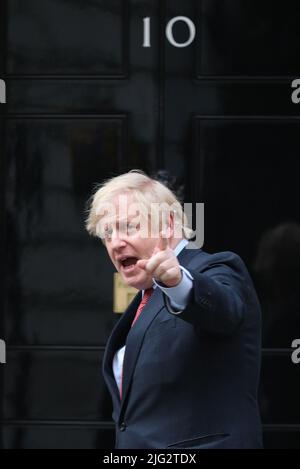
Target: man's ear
[(171, 224)]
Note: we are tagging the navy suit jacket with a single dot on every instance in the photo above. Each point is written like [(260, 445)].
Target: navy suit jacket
[(190, 381)]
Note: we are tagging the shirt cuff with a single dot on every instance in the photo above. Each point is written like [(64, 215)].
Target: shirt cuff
[(180, 294)]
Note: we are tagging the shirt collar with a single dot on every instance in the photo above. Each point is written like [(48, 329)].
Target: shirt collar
[(180, 246)]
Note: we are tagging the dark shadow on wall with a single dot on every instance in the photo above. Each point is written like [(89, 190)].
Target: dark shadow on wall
[(277, 267)]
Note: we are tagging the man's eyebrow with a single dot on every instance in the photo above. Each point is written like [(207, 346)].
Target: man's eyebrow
[(105, 224)]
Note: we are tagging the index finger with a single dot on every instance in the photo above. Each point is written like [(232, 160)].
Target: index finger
[(163, 241)]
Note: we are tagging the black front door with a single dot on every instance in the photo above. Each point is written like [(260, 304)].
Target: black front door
[(86, 101)]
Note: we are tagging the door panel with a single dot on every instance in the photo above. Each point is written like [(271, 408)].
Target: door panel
[(55, 383), (91, 38)]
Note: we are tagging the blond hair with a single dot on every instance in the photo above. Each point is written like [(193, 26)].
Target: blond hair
[(146, 191)]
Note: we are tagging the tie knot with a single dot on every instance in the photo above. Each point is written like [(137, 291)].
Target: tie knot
[(147, 294)]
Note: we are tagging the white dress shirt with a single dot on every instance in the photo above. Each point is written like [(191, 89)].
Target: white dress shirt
[(178, 296)]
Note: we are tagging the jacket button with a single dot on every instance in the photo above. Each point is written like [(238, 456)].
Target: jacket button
[(122, 427)]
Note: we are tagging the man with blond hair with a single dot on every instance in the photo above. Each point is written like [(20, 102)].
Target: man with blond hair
[(182, 363)]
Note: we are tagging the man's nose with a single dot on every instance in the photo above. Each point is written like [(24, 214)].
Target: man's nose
[(117, 240)]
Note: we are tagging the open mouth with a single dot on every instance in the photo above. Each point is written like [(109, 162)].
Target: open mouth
[(128, 263)]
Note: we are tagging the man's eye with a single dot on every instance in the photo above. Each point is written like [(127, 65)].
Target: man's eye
[(132, 227), (108, 233)]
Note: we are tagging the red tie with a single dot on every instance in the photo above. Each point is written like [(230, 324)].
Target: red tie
[(147, 294)]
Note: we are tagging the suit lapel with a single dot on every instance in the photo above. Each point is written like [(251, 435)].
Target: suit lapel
[(135, 338), (117, 340), (187, 254)]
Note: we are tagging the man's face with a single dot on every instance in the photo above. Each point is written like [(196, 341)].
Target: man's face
[(126, 244)]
